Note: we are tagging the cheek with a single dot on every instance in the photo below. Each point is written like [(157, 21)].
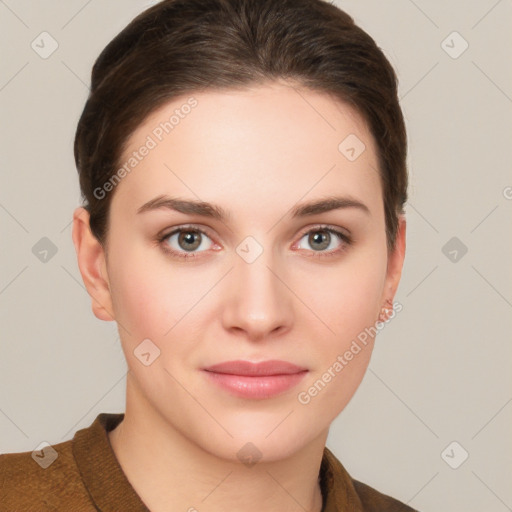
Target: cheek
[(157, 298), (145, 298), (348, 301), (359, 301), (347, 298)]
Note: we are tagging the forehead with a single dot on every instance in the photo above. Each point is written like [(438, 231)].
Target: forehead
[(249, 148)]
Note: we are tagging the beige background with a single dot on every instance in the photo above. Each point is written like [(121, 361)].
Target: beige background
[(441, 370)]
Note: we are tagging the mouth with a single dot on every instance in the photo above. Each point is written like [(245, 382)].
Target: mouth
[(261, 380)]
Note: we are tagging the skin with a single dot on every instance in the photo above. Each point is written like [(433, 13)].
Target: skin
[(255, 152)]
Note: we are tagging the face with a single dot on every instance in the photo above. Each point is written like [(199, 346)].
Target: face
[(254, 276)]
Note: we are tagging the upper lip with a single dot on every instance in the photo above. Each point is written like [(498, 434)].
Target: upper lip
[(263, 368)]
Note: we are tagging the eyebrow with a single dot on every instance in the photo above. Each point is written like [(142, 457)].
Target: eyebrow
[(204, 209)]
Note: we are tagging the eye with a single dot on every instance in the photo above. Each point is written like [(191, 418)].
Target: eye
[(325, 241), (185, 241)]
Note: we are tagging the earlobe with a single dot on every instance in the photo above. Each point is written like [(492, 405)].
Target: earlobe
[(92, 264), (386, 311)]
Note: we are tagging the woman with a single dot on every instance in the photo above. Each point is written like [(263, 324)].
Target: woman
[(222, 141)]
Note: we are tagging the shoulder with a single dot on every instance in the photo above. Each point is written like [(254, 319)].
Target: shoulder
[(374, 501), (47, 479), (342, 492)]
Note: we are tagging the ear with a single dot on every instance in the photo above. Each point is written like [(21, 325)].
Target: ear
[(92, 263), (395, 263)]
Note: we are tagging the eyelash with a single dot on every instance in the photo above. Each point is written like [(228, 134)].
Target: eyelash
[(345, 239)]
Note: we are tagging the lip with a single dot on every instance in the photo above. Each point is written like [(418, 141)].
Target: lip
[(261, 380)]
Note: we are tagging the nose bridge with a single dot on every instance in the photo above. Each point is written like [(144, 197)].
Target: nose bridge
[(259, 302)]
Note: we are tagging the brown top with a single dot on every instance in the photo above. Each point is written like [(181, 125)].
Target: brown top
[(83, 475)]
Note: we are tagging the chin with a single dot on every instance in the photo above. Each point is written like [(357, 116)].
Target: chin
[(266, 441)]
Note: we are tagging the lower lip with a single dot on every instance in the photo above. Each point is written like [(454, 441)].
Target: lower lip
[(256, 387)]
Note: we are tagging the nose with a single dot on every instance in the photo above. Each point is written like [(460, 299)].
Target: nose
[(258, 303)]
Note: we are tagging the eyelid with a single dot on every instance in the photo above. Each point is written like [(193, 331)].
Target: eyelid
[(164, 233), (167, 232), (319, 227)]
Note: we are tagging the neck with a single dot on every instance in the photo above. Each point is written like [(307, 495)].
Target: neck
[(172, 473)]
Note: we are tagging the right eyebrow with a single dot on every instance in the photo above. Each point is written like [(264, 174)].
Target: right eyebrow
[(187, 206)]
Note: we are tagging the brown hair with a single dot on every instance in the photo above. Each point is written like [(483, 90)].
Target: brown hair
[(180, 46)]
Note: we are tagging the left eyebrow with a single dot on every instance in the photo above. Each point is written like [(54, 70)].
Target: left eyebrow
[(205, 209), (328, 204)]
